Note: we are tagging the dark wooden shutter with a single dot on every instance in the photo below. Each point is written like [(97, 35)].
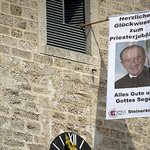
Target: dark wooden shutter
[(74, 12), (66, 35)]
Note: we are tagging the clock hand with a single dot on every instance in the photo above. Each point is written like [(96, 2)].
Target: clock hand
[(68, 142), (74, 147)]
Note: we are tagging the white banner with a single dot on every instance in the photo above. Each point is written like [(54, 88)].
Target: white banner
[(128, 84)]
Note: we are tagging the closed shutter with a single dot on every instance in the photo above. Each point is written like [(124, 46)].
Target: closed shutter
[(74, 12), (66, 35)]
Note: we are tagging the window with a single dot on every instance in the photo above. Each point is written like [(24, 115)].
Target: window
[(92, 53), (63, 20)]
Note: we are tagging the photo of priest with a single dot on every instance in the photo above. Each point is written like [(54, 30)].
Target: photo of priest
[(133, 58)]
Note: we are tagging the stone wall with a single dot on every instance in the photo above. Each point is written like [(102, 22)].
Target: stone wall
[(43, 95), (121, 134)]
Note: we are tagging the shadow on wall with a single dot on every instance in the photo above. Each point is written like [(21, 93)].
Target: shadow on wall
[(109, 134)]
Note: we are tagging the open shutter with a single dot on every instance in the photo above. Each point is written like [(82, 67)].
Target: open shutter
[(65, 35)]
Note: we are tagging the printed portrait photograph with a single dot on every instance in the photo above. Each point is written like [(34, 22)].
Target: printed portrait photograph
[(132, 64)]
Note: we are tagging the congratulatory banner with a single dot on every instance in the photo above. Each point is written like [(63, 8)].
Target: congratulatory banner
[(128, 84)]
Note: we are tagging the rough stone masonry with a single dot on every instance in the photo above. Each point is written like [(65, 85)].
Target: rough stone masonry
[(43, 95)]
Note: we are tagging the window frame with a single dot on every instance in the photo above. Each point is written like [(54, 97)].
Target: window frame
[(92, 55)]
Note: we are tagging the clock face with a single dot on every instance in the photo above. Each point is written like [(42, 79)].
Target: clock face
[(69, 141)]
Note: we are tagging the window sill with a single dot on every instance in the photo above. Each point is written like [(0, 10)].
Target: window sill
[(70, 55)]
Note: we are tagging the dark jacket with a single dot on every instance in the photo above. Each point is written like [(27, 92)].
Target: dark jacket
[(143, 79)]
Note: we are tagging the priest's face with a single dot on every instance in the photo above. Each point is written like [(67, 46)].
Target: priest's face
[(133, 60)]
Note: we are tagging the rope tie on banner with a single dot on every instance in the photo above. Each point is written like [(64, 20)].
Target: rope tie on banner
[(83, 25)]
